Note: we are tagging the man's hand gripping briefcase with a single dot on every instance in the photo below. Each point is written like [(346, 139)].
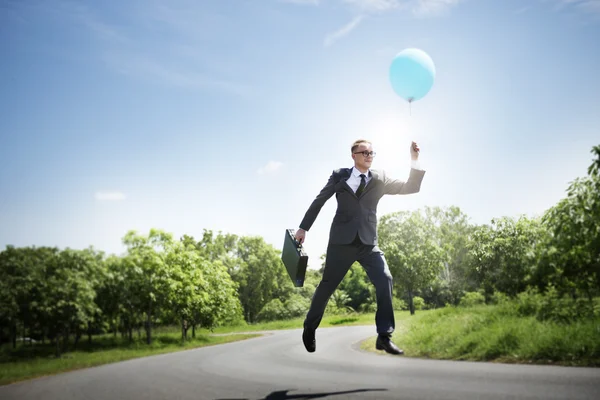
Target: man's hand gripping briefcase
[(294, 258)]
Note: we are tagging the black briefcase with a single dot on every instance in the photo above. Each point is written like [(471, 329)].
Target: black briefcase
[(294, 258)]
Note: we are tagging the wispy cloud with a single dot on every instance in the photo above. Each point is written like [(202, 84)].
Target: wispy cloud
[(142, 67), (302, 2), (271, 167), (522, 10), (363, 8), (589, 7), (374, 5), (433, 7), (125, 47), (417, 7), (110, 196), (343, 31)]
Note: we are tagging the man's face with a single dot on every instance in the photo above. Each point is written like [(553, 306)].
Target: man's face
[(359, 159)]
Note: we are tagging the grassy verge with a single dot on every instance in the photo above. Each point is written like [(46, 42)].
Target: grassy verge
[(493, 333), (32, 362), (328, 321)]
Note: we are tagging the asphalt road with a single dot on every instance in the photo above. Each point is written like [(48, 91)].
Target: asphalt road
[(276, 367)]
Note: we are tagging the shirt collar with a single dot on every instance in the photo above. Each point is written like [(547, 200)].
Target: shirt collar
[(356, 173)]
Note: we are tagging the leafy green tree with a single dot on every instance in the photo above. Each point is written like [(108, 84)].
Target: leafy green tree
[(570, 259), (216, 302), (149, 273), (503, 254), (414, 256), (23, 289), (260, 275), (356, 285), (452, 232), (69, 300)]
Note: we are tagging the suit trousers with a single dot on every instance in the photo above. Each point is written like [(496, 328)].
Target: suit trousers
[(339, 260)]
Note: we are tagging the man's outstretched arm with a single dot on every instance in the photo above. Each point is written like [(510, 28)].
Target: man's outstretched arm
[(315, 208), (413, 184)]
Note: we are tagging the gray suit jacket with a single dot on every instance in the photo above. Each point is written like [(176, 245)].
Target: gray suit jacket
[(358, 215)]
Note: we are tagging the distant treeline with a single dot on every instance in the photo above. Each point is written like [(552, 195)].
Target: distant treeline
[(436, 257)]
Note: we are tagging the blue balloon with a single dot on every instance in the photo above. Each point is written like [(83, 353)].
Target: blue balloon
[(412, 74)]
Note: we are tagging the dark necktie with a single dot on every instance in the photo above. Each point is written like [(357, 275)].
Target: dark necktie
[(361, 187)]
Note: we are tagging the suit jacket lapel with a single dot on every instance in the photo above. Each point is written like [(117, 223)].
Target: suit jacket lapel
[(345, 175), (371, 184)]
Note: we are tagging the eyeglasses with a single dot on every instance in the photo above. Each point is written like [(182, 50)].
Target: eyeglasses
[(366, 153)]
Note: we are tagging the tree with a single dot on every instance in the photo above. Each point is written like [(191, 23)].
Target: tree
[(571, 258), (503, 254), (150, 275), (260, 275), (70, 294), (23, 288), (413, 255), (451, 230), (356, 285)]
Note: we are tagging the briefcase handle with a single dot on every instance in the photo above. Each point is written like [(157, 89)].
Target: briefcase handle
[(293, 235)]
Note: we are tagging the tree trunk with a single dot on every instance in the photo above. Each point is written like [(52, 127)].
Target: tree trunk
[(182, 330), (148, 328), (89, 332), (411, 305), (13, 335), (57, 341), (65, 339), (77, 337), (193, 331)]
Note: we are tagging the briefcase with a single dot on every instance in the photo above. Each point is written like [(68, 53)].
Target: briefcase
[(294, 258)]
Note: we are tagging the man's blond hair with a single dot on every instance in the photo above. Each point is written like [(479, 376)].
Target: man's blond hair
[(357, 143)]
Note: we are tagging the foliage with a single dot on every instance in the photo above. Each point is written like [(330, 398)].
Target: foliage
[(498, 333), (414, 256), (556, 307), (570, 257), (503, 254), (419, 303), (471, 299)]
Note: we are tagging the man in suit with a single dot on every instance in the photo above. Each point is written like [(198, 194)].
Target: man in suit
[(353, 237)]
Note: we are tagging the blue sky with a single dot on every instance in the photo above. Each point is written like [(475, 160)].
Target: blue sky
[(230, 115)]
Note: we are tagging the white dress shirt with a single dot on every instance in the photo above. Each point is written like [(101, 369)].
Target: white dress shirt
[(354, 179)]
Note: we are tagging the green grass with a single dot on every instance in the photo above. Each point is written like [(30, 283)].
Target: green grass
[(28, 362), (328, 321), (494, 333)]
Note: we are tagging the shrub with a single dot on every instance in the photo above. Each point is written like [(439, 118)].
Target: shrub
[(296, 306), (399, 304), (368, 307), (552, 306), (471, 299), (419, 303), (499, 298), (272, 311)]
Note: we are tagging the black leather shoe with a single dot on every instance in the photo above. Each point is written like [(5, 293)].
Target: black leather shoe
[(385, 343), (308, 337)]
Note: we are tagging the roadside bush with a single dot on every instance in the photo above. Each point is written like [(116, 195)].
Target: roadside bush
[(552, 306), (399, 304), (272, 311), (471, 299), (419, 303)]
